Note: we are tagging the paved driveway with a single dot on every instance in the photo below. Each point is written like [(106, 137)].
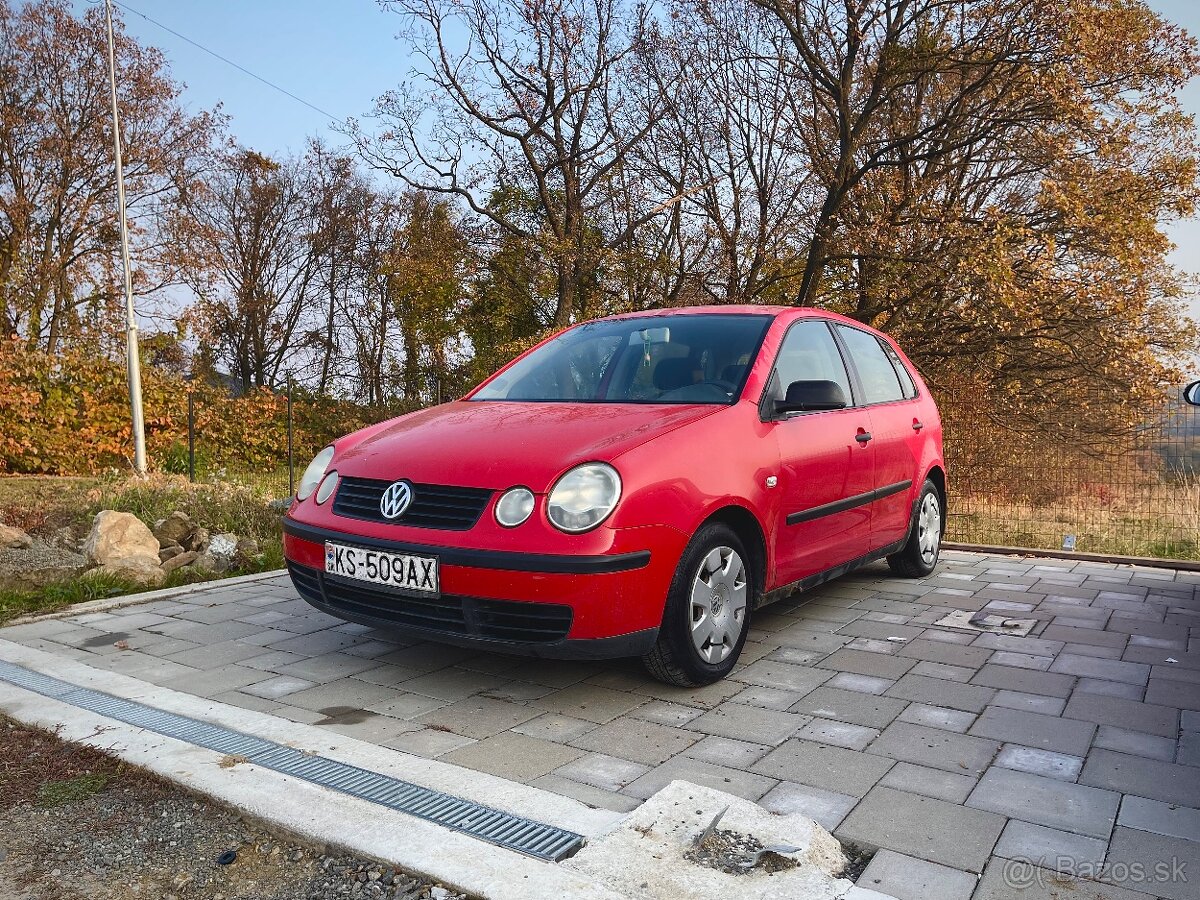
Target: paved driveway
[(1076, 748)]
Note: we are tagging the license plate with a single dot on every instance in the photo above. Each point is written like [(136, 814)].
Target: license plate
[(411, 573)]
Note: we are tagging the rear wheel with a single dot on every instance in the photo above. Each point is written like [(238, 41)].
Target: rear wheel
[(919, 555), (707, 612)]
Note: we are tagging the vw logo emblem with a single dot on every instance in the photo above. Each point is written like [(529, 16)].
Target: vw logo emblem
[(395, 500)]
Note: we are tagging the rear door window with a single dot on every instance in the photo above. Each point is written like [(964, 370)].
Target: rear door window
[(880, 382)]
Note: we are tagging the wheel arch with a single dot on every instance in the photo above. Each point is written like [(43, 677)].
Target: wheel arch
[(937, 475), (747, 527)]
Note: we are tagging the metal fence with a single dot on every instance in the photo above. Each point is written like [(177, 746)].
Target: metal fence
[(1132, 491)]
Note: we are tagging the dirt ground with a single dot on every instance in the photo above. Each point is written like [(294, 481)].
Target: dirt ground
[(76, 824)]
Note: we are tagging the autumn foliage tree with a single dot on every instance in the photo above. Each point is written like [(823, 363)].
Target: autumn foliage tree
[(58, 231)]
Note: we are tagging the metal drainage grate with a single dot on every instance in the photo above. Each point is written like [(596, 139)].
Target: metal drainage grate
[(492, 825)]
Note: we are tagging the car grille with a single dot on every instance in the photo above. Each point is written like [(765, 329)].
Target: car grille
[(433, 505), (498, 620)]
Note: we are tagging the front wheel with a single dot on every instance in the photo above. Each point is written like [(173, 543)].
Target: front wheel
[(707, 614), (919, 555)]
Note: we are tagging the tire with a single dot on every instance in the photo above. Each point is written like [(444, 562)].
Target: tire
[(715, 570), (919, 555)]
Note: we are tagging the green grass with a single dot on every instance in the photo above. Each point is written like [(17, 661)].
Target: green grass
[(42, 505), (71, 790)]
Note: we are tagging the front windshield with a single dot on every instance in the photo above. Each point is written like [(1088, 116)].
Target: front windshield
[(650, 359)]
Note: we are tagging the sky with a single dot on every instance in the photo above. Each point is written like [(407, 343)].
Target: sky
[(340, 54)]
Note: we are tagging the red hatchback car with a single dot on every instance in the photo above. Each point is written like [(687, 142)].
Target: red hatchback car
[(633, 486)]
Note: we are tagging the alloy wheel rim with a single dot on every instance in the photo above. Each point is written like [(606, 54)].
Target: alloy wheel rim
[(718, 606), (929, 529)]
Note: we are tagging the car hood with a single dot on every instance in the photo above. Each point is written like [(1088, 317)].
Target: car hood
[(497, 444)]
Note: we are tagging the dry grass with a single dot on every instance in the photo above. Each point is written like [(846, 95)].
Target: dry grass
[(1158, 519)]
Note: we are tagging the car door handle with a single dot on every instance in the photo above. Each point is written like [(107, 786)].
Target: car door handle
[(918, 424), (863, 436)]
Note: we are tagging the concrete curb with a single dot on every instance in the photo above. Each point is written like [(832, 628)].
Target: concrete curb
[(107, 603), (318, 815)]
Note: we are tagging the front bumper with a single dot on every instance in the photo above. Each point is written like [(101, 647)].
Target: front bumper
[(554, 606)]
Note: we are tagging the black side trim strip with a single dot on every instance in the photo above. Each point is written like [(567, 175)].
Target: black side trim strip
[(483, 559), (837, 506), (812, 581)]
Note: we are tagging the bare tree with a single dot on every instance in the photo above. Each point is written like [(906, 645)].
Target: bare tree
[(524, 95)]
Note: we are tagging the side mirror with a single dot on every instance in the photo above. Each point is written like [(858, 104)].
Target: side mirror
[(806, 396), (1191, 394)]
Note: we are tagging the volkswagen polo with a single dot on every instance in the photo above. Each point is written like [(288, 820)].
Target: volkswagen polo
[(633, 486)]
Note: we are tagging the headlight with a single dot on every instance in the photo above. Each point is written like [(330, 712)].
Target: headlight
[(314, 473), (584, 497), (514, 506), (325, 491)]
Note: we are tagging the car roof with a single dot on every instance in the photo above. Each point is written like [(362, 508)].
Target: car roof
[(737, 309)]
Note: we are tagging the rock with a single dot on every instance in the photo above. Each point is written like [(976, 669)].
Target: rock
[(179, 560), (174, 529), (66, 538), (40, 564), (13, 538), (209, 564), (141, 569), (118, 536), (246, 553), (223, 545), (169, 553), (197, 540)]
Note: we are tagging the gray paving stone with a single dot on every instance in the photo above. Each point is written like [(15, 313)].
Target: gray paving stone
[(880, 631), (850, 706), (783, 677), (586, 793), (942, 670), (938, 692), (1046, 801), (1050, 848), (603, 771), (1164, 781), (805, 639), (1040, 762), (516, 757), (553, 727), (325, 668), (1003, 880), (1129, 714), (792, 656), (428, 742), (859, 662), (402, 705), (1170, 863), (949, 654), (1028, 681), (864, 684), (1110, 688), (591, 702), (477, 717), (929, 829), (1038, 703), (839, 734), (1035, 730), (208, 684), (825, 807), (819, 765), (767, 698), (935, 747), (1135, 743), (723, 751), (928, 782), (1169, 692), (1022, 660), (343, 692), (1160, 818), (666, 713), (1189, 748), (749, 723), (1108, 669), (1094, 636), (644, 742), (907, 878), (721, 778), (1028, 645), (938, 717)]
